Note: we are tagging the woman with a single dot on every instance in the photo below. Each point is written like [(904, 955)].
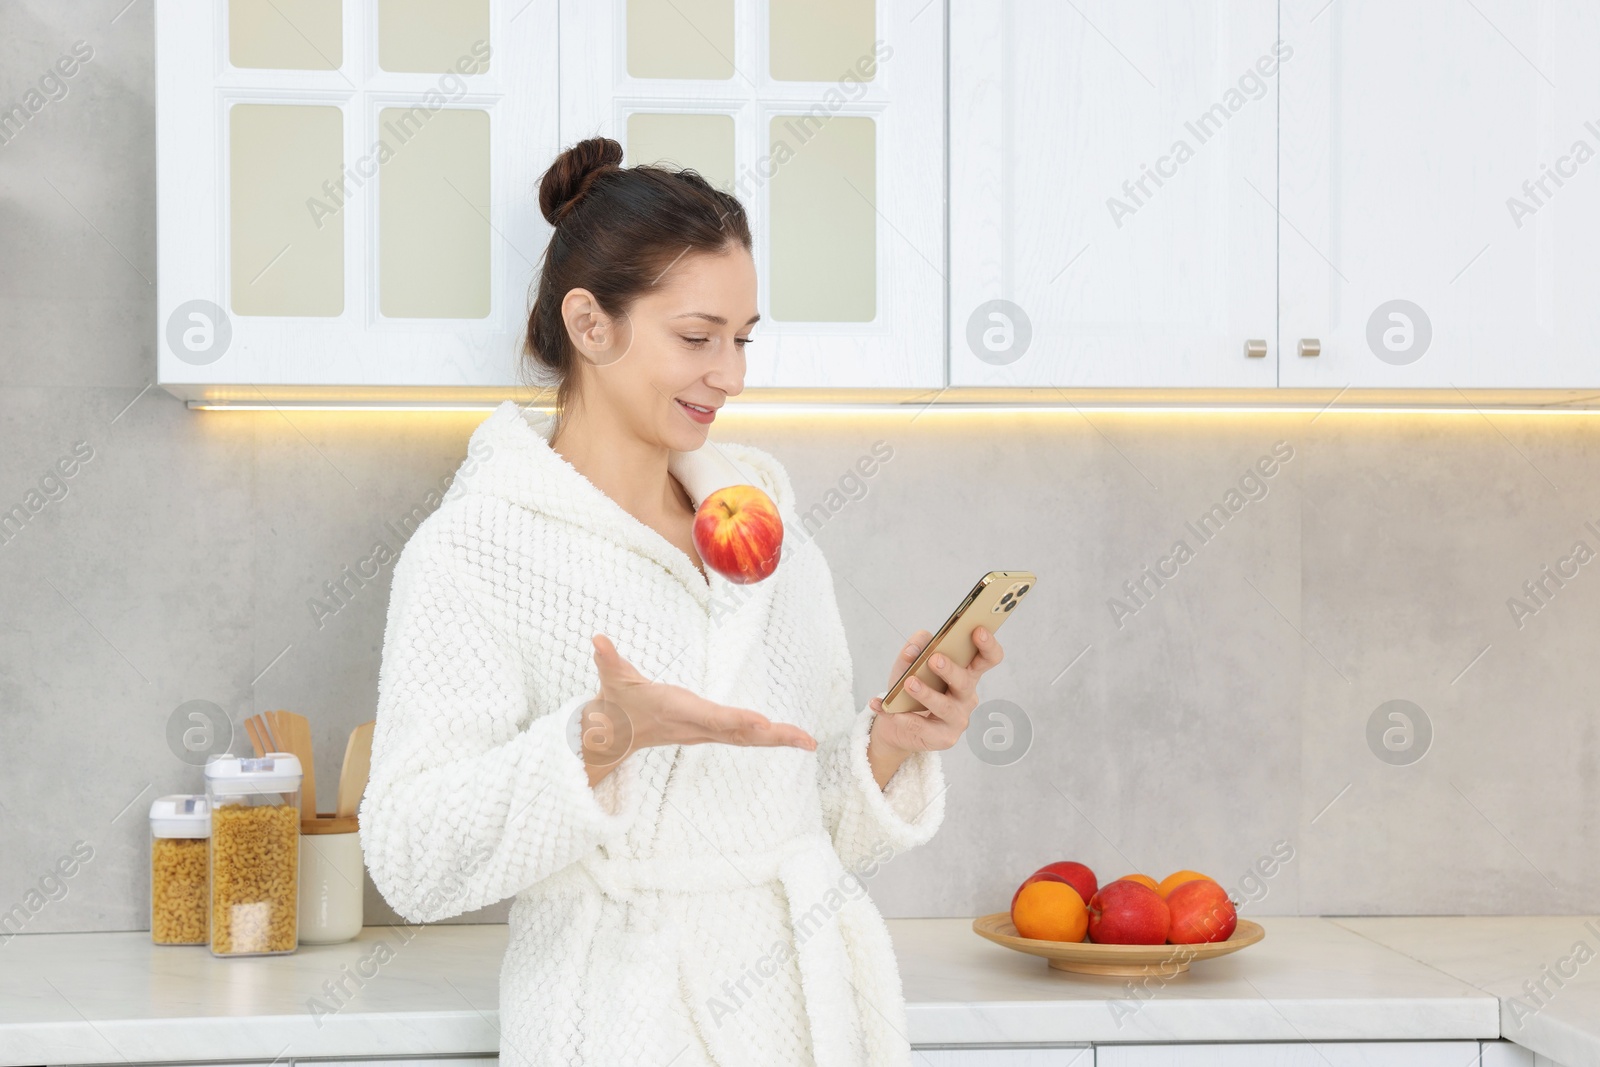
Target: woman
[(688, 871)]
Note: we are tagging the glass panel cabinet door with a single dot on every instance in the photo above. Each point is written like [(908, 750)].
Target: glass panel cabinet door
[(282, 261), (826, 119), (347, 197), (1112, 182)]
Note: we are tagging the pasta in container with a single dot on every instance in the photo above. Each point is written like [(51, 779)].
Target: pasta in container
[(254, 853), (180, 826)]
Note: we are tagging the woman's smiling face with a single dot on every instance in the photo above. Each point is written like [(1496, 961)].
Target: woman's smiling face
[(681, 344)]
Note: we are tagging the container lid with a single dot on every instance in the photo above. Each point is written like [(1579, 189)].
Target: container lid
[(180, 815), (231, 776)]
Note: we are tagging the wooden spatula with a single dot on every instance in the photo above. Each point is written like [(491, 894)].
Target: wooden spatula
[(258, 742), (357, 765), (261, 733), (293, 733)]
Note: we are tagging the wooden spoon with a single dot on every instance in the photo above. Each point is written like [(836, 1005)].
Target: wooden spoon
[(263, 731), (357, 766), (252, 726), (293, 732)]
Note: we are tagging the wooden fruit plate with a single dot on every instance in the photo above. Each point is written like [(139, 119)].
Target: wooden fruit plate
[(1084, 957)]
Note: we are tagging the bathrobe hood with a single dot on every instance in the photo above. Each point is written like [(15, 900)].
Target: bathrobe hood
[(517, 463)]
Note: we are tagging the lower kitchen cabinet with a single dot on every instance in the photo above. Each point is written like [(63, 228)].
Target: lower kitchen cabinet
[(1246, 1054), (490, 1060), (1177, 1054), (1293, 1054), (1510, 1054), (1071, 1056)]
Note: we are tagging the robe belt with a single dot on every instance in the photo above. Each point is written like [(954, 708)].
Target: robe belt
[(806, 868)]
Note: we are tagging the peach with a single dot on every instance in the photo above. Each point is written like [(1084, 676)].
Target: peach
[(1201, 913), (738, 533), (1143, 879), (1039, 876), (1078, 876), (1177, 878), (1126, 912), (1049, 911)]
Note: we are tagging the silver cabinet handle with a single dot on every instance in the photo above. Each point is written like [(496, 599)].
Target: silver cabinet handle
[(1310, 346), (1255, 349)]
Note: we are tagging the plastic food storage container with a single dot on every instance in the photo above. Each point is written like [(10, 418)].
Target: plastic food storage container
[(180, 825), (331, 879), (254, 854)]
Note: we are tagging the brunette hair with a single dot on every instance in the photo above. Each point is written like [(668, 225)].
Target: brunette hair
[(617, 231)]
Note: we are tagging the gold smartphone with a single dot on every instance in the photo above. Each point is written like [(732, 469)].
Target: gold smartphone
[(989, 605)]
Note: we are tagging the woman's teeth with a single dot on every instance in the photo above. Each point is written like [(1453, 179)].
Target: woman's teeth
[(696, 407)]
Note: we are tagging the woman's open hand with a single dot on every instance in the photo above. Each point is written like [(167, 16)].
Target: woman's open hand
[(633, 712), (943, 717)]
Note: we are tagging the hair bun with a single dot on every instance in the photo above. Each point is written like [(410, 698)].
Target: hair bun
[(570, 176)]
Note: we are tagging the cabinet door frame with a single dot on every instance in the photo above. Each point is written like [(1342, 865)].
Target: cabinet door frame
[(1500, 307), (1009, 1056), (360, 349), (903, 346), (1419, 1053), (983, 139)]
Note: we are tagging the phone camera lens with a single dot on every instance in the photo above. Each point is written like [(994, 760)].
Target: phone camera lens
[(1024, 589), (1011, 605), (1006, 599)]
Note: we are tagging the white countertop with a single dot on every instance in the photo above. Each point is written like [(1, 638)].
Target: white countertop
[(418, 991), (1308, 980), (1544, 969)]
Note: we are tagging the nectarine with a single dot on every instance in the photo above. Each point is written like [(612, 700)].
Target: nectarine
[(1038, 876), (1078, 876), (1177, 878), (1143, 879)]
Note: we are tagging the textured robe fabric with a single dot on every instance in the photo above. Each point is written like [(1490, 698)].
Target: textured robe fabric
[(703, 904)]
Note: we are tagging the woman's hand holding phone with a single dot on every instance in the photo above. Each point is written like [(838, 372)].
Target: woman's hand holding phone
[(633, 712), (943, 717)]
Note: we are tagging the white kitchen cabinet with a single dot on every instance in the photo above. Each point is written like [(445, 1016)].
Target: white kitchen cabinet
[(1411, 202), (1074, 1056), (309, 248), (1112, 176), (1440, 194), (1510, 1054), (345, 191), (1293, 1054), (827, 121), (491, 1060), (1137, 194)]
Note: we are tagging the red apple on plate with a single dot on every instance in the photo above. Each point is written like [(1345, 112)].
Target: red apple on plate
[(738, 533), (1201, 913), (1127, 913)]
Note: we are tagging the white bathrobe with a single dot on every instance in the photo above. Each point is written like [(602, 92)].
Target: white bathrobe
[(704, 904)]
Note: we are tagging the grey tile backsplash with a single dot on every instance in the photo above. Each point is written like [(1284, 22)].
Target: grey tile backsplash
[(1229, 607)]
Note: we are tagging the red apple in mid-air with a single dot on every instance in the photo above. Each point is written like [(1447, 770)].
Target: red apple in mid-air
[(738, 533)]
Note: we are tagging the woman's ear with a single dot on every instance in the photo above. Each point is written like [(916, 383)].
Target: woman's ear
[(588, 326)]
